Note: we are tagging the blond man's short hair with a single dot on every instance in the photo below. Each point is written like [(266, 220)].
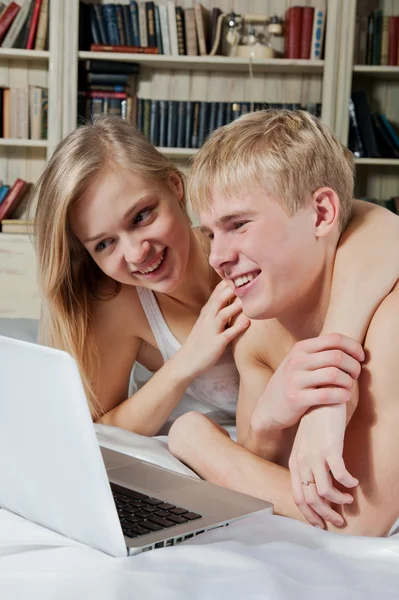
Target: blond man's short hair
[(288, 153)]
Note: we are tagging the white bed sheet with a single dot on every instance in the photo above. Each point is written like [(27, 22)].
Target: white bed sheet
[(260, 557)]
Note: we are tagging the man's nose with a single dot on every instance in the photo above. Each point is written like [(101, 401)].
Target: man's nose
[(221, 254)]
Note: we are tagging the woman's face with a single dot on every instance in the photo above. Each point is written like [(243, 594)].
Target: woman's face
[(135, 229)]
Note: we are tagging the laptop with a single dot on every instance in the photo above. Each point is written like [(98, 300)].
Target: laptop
[(53, 472)]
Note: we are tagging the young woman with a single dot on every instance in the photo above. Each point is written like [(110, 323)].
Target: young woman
[(125, 279)]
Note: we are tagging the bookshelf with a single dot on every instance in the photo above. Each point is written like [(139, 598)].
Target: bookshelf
[(219, 78), (376, 177), (25, 158)]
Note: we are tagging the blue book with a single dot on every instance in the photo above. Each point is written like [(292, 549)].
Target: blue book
[(134, 11), (390, 130), (3, 192), (111, 23)]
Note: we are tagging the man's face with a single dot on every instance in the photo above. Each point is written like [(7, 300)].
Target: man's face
[(270, 257)]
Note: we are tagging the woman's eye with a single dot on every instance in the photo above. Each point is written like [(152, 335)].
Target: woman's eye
[(142, 216), (102, 245)]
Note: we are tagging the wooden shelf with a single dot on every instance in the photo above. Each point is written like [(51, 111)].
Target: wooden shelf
[(213, 63), (387, 162), (17, 54), (23, 143), (376, 71)]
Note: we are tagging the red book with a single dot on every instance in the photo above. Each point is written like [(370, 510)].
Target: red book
[(307, 29), (33, 26), (127, 49), (393, 34), (13, 198), (294, 33), (7, 17)]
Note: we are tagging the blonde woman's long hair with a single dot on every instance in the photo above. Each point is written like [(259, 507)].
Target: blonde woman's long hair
[(67, 275)]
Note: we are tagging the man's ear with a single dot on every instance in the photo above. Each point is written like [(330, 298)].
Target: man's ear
[(326, 208), (176, 184)]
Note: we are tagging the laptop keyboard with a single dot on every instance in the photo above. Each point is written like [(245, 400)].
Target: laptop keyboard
[(140, 514)]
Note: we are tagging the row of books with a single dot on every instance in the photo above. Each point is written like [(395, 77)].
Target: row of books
[(106, 87), (24, 24), (23, 112), (187, 124), (370, 134), (13, 199), (376, 39), (145, 26), (304, 29)]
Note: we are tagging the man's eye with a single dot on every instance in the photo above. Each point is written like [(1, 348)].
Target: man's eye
[(142, 216), (103, 245), (239, 224)]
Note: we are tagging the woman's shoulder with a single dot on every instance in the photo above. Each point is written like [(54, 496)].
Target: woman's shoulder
[(118, 308)]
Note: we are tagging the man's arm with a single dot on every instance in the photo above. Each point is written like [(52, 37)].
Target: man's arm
[(372, 442), (249, 356)]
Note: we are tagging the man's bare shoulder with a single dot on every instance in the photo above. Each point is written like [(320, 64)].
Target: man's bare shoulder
[(258, 343)]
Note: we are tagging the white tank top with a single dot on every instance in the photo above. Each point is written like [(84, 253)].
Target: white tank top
[(216, 389)]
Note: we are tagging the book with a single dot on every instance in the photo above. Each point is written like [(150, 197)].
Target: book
[(384, 40), (386, 147), (158, 33), (124, 49), (393, 39), (134, 14), (107, 78), (377, 38), (142, 24), (97, 14), (42, 26), (3, 192), (33, 26), (307, 30), (7, 17), (294, 31), (111, 66), (150, 18), (119, 24), (171, 8), (13, 198), (363, 116), (203, 24), (191, 32), (214, 39), (17, 24), (111, 24), (319, 23), (390, 130), (354, 140), (127, 24), (164, 22), (181, 36), (35, 113)]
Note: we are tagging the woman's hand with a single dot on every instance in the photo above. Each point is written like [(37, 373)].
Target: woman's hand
[(319, 371), (214, 329), (316, 458)]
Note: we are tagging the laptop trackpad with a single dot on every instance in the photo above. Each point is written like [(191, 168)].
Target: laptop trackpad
[(149, 478)]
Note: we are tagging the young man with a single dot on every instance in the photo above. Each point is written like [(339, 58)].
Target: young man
[(274, 192)]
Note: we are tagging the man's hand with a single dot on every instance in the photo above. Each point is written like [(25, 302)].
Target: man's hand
[(316, 457), (319, 371)]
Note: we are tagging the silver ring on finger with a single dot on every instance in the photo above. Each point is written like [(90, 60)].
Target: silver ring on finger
[(308, 482)]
